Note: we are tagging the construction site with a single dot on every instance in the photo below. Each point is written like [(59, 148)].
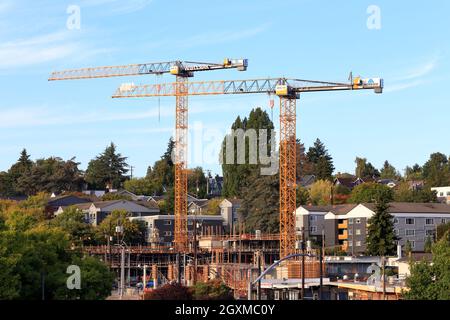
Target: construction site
[(239, 259)]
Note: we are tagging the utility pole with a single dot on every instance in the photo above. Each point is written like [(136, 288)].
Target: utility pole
[(383, 264), (303, 262), (321, 253), (195, 250), (258, 288), (122, 272), (131, 172)]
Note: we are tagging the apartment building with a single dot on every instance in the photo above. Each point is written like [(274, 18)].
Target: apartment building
[(316, 224), (345, 226), (443, 194)]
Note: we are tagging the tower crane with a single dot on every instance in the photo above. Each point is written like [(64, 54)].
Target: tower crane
[(182, 70), (289, 91)]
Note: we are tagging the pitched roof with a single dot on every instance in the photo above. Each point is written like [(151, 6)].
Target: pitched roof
[(406, 207), (347, 182), (336, 209), (200, 202), (152, 204)]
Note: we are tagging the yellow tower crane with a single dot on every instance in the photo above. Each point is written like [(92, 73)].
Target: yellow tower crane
[(289, 91), (182, 70)]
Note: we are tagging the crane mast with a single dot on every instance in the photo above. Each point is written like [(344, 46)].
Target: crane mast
[(289, 91)]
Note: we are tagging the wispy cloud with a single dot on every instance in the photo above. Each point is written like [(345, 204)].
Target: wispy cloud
[(414, 77), (36, 50), (117, 6)]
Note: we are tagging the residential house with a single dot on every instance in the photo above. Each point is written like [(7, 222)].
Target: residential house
[(96, 212), (198, 207), (307, 181), (55, 202), (214, 186), (229, 212), (443, 194)]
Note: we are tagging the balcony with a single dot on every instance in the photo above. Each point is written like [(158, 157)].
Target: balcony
[(343, 225), (343, 235)]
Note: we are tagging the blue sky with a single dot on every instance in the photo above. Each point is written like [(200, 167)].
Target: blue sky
[(321, 40)]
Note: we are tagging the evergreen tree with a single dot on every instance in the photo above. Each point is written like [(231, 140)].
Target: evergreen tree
[(107, 169), (388, 171), (323, 162), (365, 169), (381, 239), (436, 171), (235, 175)]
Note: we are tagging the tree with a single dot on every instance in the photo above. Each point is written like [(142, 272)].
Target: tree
[(107, 169), (96, 281), (408, 247), (134, 231), (431, 281), (163, 171), (72, 221), (413, 173), (213, 206), (428, 245), (436, 171), (170, 291), (212, 290), (302, 196), (322, 161), (370, 193), (381, 239), (141, 186), (49, 175), (304, 166), (320, 192), (365, 169), (197, 182), (389, 172), (260, 204), (112, 196), (404, 193), (235, 175)]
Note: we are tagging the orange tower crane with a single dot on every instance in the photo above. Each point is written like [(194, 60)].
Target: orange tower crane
[(182, 70), (289, 91)]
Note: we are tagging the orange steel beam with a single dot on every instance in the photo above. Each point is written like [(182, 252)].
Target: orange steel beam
[(287, 175), (181, 135)]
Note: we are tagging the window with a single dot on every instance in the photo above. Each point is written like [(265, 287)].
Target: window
[(190, 222), (395, 220), (350, 221), (313, 229), (441, 194), (167, 222), (429, 221), (358, 221), (410, 221), (413, 244), (312, 218), (410, 232), (350, 232), (350, 243), (443, 221), (396, 232), (448, 193), (358, 232), (429, 233), (358, 243), (167, 233)]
